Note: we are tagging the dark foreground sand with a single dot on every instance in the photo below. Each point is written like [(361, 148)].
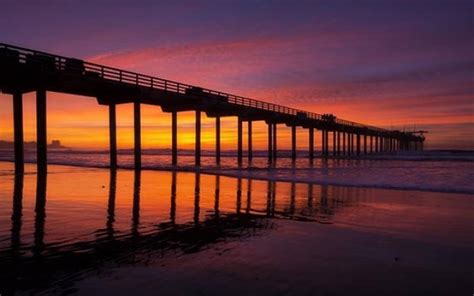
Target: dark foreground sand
[(301, 258)]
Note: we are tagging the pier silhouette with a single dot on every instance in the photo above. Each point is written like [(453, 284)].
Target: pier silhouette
[(24, 70)]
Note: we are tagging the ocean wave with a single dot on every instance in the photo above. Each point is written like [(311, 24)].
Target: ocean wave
[(426, 155)]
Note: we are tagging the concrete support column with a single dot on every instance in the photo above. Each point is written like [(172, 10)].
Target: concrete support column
[(137, 118), (323, 142), (174, 138), (270, 142), (358, 143), (349, 144), (249, 139), (113, 136), (365, 143), (239, 141), (18, 132), (275, 141), (293, 142), (41, 137), (338, 143), (371, 144), (197, 142), (344, 143), (218, 140), (334, 150), (311, 143), (353, 148), (327, 142)]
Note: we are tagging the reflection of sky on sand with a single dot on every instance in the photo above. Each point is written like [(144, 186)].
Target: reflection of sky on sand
[(440, 171), (77, 220)]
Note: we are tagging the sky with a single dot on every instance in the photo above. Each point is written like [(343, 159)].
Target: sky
[(395, 64)]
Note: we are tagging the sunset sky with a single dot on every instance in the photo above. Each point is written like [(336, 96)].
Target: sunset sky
[(393, 64)]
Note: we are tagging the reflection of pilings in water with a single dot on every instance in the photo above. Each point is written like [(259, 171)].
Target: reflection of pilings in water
[(239, 195), (336, 196), (269, 197), (40, 213), (249, 195), (136, 201), (17, 211), (292, 198), (216, 196), (197, 181), (310, 196), (111, 202), (271, 188), (173, 198), (274, 188), (324, 199)]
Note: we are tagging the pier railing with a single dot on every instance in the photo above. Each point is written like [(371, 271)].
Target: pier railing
[(54, 63)]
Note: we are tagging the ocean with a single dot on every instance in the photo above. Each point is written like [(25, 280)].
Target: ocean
[(441, 171)]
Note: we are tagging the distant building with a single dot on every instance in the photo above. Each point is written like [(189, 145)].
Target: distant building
[(55, 144)]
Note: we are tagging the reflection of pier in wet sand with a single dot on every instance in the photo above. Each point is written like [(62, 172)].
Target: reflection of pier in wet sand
[(58, 234), (242, 218)]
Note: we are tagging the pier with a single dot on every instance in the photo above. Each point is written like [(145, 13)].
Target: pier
[(25, 70)]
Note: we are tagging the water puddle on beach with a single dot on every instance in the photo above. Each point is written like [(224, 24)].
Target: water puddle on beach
[(90, 231)]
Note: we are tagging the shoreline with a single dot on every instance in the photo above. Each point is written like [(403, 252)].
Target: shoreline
[(223, 173)]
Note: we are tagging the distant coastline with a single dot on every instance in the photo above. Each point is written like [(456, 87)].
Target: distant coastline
[(55, 144)]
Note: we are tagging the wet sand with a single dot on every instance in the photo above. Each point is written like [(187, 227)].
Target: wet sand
[(89, 232), (301, 259)]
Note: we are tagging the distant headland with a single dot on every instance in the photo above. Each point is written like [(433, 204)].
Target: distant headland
[(55, 144)]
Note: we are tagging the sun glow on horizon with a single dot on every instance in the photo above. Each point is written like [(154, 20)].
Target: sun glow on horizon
[(80, 122)]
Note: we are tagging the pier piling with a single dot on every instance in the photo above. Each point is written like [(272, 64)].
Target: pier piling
[(249, 139), (197, 149), (174, 138), (113, 136), (137, 134), (218, 140), (41, 137), (18, 132)]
